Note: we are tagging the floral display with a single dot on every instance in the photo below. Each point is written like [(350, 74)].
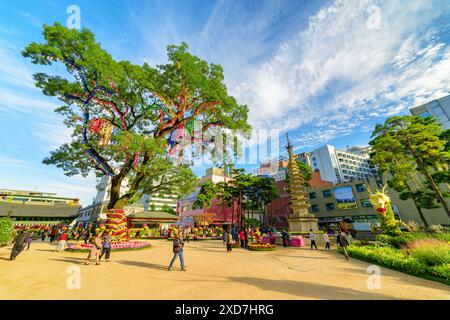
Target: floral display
[(261, 246), (116, 222)]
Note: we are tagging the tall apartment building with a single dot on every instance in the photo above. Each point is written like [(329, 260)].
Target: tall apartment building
[(439, 108), (339, 166)]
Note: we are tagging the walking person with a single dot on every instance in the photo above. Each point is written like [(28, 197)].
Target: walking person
[(246, 237), (312, 238), (342, 241), (326, 238), (178, 245), (106, 246), (86, 236), (224, 238), (29, 239), (19, 244), (61, 241), (95, 249), (229, 241), (284, 238), (44, 235), (53, 234), (242, 238)]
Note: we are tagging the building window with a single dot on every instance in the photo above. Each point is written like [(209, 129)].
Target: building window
[(361, 187), (330, 206), (312, 195), (365, 203), (327, 193), (315, 208)]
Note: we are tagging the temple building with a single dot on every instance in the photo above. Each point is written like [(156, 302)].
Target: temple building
[(35, 207)]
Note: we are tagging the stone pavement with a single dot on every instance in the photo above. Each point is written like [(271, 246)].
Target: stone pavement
[(291, 273)]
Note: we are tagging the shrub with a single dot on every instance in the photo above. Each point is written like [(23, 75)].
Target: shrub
[(442, 271), (397, 241), (436, 228), (413, 226), (432, 252), (6, 230), (400, 260)]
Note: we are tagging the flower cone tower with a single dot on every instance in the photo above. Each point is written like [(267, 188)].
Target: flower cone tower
[(116, 222), (300, 219)]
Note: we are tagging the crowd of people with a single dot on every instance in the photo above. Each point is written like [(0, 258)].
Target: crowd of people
[(101, 239)]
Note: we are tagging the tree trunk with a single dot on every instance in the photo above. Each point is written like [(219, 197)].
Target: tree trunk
[(424, 170), (114, 198), (422, 217)]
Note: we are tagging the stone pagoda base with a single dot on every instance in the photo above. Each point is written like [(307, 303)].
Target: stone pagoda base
[(303, 223)]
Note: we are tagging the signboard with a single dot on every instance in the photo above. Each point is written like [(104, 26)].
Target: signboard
[(345, 198)]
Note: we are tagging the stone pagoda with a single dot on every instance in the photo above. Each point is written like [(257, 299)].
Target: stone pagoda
[(300, 219)]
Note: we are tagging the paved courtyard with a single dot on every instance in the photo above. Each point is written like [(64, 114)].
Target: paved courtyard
[(211, 273)]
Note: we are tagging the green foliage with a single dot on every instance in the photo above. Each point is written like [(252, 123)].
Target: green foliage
[(166, 208), (208, 191), (399, 260), (415, 152), (157, 101), (6, 229), (432, 252), (252, 222), (398, 241), (388, 224)]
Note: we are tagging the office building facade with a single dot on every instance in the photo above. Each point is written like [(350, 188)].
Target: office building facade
[(340, 166), (439, 108)]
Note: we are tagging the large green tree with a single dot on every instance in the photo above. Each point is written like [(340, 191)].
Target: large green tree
[(148, 108), (414, 151), (208, 191)]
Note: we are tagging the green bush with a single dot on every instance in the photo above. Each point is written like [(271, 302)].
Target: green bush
[(399, 260), (442, 271), (432, 252), (6, 230), (396, 241), (442, 236)]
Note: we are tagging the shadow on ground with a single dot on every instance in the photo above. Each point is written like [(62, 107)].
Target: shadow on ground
[(144, 265), (303, 289)]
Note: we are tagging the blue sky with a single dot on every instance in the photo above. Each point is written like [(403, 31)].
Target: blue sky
[(324, 71)]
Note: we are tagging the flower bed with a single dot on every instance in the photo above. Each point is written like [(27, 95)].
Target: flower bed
[(150, 238), (425, 262), (261, 247), (191, 238), (125, 246)]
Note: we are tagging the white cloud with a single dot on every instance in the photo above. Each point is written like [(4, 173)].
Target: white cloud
[(13, 163), (339, 72)]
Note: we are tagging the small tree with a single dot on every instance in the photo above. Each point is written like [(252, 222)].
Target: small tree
[(208, 191), (414, 145)]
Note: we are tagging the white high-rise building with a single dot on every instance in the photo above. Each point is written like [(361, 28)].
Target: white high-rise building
[(340, 166), (439, 108)]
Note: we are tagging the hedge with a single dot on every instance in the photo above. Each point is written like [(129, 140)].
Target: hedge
[(398, 260)]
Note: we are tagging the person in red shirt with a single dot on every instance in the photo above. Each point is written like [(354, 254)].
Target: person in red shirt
[(61, 241), (242, 238)]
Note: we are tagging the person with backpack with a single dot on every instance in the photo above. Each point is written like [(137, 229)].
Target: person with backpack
[(229, 241), (19, 244), (178, 245), (106, 246), (343, 242)]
